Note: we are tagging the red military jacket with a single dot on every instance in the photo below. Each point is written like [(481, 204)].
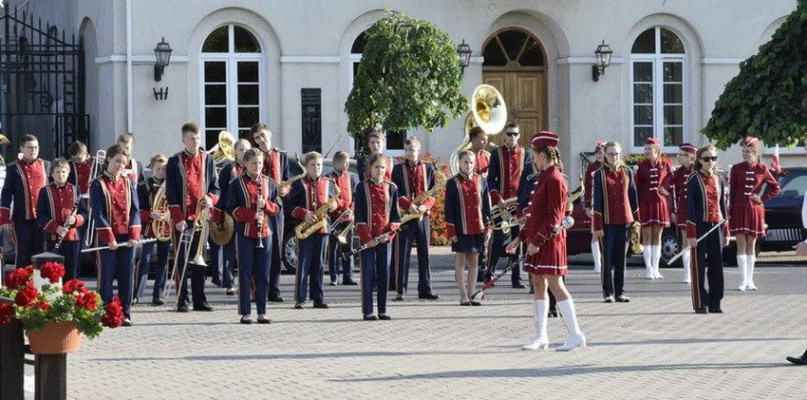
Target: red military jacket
[(467, 205), (343, 180), (413, 180), (82, 174), (194, 186), (244, 199), (509, 163), (376, 213), (614, 200), (546, 208), (708, 202), (309, 195), (24, 180), (650, 177), (482, 163), (746, 180), (679, 206), (588, 180), (115, 207), (59, 202)]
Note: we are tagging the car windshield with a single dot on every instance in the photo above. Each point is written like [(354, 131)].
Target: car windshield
[(793, 184)]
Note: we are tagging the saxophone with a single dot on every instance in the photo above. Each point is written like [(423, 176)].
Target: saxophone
[(636, 247), (305, 229), (419, 199)]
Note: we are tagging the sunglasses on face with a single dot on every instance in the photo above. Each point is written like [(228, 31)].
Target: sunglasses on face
[(709, 159), (512, 133)]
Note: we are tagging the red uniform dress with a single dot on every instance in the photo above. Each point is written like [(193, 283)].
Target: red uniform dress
[(545, 211), (679, 206), (653, 208), (747, 217)]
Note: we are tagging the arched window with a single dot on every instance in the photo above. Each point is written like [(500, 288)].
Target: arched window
[(232, 83), (658, 94)]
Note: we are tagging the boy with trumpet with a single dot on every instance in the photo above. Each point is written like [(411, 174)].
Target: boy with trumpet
[(342, 221)]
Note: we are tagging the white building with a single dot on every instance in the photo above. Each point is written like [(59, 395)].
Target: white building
[(241, 61)]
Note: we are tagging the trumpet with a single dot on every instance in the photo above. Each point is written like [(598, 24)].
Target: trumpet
[(503, 217), (100, 156), (341, 234)]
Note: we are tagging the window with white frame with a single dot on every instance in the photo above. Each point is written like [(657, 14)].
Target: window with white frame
[(658, 89), (394, 139), (232, 83)]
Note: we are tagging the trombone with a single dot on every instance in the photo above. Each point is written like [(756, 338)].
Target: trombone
[(89, 236), (186, 239), (341, 234)]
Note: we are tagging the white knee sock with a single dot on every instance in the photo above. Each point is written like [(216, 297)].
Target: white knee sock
[(687, 261), (656, 262), (751, 260), (741, 265), (596, 255), (569, 314), (539, 339), (647, 254)]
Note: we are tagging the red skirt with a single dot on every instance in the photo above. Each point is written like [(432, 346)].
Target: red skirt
[(550, 258), (747, 219), (653, 210)]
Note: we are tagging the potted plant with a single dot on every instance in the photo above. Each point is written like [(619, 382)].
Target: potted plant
[(54, 317)]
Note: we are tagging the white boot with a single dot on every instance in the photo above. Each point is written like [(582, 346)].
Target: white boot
[(751, 262), (656, 262), (539, 339), (686, 259), (597, 256), (741, 265), (647, 254), (576, 337)]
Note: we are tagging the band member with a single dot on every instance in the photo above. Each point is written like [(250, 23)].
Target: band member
[(479, 146), (276, 167), (377, 219), (414, 179), (467, 210), (615, 207), (678, 212), (226, 264), (706, 207), (24, 181), (60, 212), (599, 154), (747, 207), (546, 250), (252, 199), (81, 166), (653, 180), (507, 164), (134, 168), (375, 143), (306, 198), (190, 179), (342, 217), (115, 210), (146, 191)]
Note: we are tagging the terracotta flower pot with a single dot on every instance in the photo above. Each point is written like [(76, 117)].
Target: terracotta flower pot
[(55, 338)]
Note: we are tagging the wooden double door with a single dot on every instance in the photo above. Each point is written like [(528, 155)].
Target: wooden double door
[(525, 94)]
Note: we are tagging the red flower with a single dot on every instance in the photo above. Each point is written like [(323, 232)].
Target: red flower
[(43, 305), (86, 300), (19, 277), (114, 314), (26, 296), (74, 285), (52, 271), (6, 313)]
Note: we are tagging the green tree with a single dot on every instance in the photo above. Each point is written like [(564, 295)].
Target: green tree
[(768, 98), (409, 76)]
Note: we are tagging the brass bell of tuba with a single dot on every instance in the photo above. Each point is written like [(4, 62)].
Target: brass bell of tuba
[(488, 111), (224, 150)]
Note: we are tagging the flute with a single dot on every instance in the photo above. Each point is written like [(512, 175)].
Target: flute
[(124, 244)]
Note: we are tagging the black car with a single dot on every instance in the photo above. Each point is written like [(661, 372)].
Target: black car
[(783, 212)]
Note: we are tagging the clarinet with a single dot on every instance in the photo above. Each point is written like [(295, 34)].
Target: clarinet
[(66, 225), (260, 212)]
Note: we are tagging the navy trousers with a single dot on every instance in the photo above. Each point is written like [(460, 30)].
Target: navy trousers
[(71, 250), (197, 273), (335, 259), (253, 272), (275, 257), (414, 232), (615, 246), (30, 240), (375, 266), (163, 251), (500, 241), (311, 256), (118, 263), (707, 263)]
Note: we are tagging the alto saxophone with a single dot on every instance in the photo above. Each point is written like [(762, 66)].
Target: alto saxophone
[(419, 199), (636, 247), (306, 229)]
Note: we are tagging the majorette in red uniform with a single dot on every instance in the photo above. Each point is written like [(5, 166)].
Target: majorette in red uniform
[(57, 201), (546, 251), (653, 184), (746, 207), (599, 153), (678, 207)]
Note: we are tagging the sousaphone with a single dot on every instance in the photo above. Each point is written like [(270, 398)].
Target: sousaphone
[(488, 111)]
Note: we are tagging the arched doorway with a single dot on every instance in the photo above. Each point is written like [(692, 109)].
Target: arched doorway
[(515, 64)]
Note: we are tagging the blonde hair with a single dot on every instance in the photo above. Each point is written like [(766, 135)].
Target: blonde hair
[(311, 156), (157, 159)]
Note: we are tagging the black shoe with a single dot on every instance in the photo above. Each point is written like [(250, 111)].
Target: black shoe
[(127, 322), (715, 310), (334, 283), (370, 317), (349, 282), (519, 285), (553, 312), (246, 320), (384, 317), (700, 311), (799, 360), (299, 305), (622, 299), (428, 296), (264, 320), (465, 303), (202, 307), (276, 299), (183, 308), (475, 303), (321, 305), (158, 302), (609, 299), (399, 297)]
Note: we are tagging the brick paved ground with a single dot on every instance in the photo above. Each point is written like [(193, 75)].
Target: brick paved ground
[(653, 347)]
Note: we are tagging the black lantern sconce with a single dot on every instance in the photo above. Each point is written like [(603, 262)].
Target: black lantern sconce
[(603, 54), (464, 52), (163, 54)]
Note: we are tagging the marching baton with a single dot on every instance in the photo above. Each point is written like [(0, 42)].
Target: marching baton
[(566, 223), (688, 248), (124, 244)]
